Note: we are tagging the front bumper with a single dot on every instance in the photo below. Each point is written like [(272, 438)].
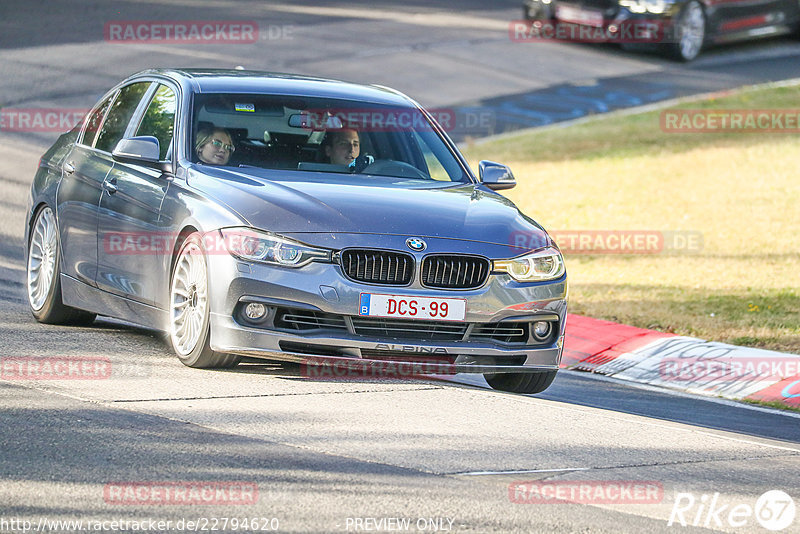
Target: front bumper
[(323, 288)]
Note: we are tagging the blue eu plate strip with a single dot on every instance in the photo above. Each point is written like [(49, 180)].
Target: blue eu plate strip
[(363, 309)]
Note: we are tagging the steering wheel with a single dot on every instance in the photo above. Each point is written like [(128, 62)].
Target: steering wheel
[(391, 167)]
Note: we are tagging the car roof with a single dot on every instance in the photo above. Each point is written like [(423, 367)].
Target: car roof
[(260, 82)]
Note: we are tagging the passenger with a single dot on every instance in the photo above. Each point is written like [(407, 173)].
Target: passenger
[(214, 146), (342, 147)]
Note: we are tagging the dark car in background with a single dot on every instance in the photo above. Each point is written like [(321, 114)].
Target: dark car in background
[(684, 26), (273, 249)]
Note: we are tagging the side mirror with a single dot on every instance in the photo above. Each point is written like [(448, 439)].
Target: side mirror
[(496, 176), (142, 150)]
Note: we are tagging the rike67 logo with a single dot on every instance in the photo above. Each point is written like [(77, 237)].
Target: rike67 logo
[(774, 510)]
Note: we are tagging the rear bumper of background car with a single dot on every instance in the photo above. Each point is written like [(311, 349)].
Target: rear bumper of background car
[(619, 24)]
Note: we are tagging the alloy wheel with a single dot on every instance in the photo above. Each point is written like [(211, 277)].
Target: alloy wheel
[(188, 299), (42, 255)]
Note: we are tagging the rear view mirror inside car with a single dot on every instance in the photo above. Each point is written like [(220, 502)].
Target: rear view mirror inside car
[(311, 121)]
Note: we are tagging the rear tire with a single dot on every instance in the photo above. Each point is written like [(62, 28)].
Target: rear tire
[(189, 310), (526, 383), (43, 281)]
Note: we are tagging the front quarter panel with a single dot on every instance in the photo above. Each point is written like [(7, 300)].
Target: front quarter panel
[(186, 209)]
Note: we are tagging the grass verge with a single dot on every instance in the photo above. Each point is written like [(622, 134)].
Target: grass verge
[(740, 192), (772, 404)]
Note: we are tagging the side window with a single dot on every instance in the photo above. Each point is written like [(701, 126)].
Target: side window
[(93, 124), (436, 169), (120, 115), (159, 119)]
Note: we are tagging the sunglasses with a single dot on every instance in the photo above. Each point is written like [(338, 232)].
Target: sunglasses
[(216, 143)]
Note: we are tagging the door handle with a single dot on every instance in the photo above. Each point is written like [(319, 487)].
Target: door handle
[(69, 167), (110, 186)]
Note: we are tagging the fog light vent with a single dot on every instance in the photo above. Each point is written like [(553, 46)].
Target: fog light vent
[(542, 330), (255, 311)]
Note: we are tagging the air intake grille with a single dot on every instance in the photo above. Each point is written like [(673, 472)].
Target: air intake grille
[(378, 266), (420, 330), (454, 272), (317, 322), (506, 332), (308, 320)]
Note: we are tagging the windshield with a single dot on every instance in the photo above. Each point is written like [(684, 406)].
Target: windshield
[(320, 135)]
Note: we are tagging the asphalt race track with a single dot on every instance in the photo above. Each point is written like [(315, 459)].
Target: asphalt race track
[(349, 455)]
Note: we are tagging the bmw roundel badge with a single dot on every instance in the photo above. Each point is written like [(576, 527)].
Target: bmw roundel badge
[(416, 244)]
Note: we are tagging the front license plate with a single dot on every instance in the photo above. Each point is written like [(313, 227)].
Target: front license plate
[(406, 307), (577, 15)]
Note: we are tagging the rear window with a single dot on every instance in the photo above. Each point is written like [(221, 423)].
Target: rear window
[(93, 124)]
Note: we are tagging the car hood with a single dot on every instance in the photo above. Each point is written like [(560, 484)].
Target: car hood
[(326, 203)]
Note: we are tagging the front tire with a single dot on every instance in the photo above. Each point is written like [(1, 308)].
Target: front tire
[(690, 32), (526, 383), (189, 312), (44, 274)]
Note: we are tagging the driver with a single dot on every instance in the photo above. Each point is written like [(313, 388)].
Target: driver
[(342, 147)]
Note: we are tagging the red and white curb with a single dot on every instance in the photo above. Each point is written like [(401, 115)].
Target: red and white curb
[(683, 363)]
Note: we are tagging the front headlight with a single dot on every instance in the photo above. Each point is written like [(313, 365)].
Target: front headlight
[(254, 245), (546, 264)]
